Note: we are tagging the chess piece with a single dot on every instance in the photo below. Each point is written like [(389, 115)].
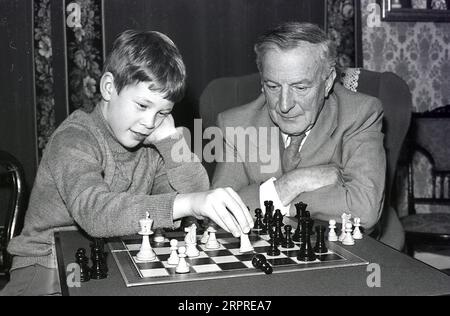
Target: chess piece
[(173, 258), (159, 236), (278, 233), (191, 241), (320, 247), (260, 262), (345, 218), (258, 222), (212, 242), (205, 237), (301, 209), (348, 239), (357, 231), (278, 217), (306, 252), (273, 250), (146, 252), (98, 269), (82, 260), (246, 245), (267, 224), (332, 236), (287, 242), (183, 266)]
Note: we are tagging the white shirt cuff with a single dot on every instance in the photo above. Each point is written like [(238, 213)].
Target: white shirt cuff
[(267, 192)]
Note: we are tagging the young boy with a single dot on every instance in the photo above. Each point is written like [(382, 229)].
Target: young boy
[(102, 171)]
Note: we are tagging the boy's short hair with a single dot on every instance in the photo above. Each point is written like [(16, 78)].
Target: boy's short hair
[(147, 57)]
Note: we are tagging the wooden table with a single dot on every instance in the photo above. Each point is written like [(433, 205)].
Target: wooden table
[(400, 275)]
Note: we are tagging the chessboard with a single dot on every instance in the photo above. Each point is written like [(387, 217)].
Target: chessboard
[(224, 262)]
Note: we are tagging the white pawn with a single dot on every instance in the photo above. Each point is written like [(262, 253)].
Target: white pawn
[(173, 259), (357, 232), (182, 266), (212, 241), (348, 239), (246, 245), (332, 236), (205, 237)]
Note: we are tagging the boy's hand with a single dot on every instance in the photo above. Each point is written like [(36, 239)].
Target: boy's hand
[(165, 129), (223, 206)]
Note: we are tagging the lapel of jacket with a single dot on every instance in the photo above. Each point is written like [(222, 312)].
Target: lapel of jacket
[(318, 147)]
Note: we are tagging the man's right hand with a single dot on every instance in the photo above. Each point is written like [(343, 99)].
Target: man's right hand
[(293, 183)]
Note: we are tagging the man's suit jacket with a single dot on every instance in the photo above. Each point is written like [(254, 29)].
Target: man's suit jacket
[(346, 134)]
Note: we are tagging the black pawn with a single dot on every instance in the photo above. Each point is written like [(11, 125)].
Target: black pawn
[(320, 247), (260, 262), (267, 224), (273, 250), (287, 242), (278, 217), (258, 222), (98, 270), (82, 260), (306, 252)]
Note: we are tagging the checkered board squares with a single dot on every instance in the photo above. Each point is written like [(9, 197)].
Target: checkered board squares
[(224, 262)]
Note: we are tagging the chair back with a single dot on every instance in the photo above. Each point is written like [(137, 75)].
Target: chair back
[(12, 177)]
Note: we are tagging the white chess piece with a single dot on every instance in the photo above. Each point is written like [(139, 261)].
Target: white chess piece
[(246, 245), (182, 266), (159, 236), (332, 236), (357, 232), (173, 259), (344, 220), (348, 239), (205, 237), (212, 241), (146, 252), (191, 242)]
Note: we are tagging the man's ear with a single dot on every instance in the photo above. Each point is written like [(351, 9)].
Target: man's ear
[(330, 81), (107, 87)]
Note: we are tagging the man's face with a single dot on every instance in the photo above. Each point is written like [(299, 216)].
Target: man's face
[(135, 113), (294, 86)]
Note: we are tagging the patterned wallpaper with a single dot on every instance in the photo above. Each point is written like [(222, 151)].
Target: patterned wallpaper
[(417, 52)]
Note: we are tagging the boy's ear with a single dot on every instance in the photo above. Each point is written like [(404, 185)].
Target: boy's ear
[(107, 87)]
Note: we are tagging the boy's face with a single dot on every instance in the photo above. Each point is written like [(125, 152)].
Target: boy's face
[(135, 113)]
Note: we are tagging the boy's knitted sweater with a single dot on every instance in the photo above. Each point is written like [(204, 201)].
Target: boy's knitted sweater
[(87, 178)]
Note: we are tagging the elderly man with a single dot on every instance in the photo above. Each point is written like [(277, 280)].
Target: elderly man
[(329, 148)]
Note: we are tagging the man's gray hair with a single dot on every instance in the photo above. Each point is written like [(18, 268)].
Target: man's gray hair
[(291, 35)]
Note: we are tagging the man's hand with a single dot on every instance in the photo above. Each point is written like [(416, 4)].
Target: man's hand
[(165, 129), (293, 183), (222, 206)]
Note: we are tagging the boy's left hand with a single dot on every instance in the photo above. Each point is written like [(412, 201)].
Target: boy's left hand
[(164, 130)]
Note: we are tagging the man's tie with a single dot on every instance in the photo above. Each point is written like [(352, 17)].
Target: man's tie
[(291, 156)]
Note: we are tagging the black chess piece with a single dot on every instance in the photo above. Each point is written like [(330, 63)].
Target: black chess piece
[(287, 242), (99, 270), (269, 210), (306, 252), (258, 222), (273, 250), (320, 247), (278, 233), (82, 260), (260, 262), (267, 224), (301, 209)]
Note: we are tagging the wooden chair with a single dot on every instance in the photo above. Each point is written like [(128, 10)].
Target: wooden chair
[(11, 178), (429, 136), (225, 93)]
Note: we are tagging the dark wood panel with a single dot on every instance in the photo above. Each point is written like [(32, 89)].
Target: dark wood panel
[(215, 37), (17, 102)]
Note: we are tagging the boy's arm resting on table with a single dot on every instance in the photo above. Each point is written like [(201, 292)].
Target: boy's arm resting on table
[(363, 170), (77, 172)]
